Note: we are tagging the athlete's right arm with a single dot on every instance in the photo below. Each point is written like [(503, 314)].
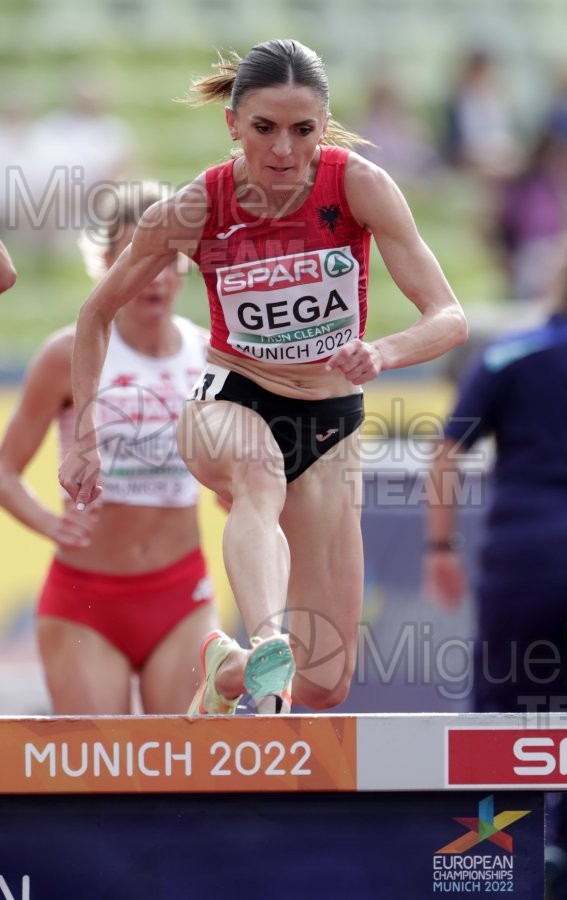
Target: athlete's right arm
[(165, 229), (46, 390), (444, 576)]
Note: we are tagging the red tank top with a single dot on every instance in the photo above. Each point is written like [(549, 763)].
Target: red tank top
[(291, 289)]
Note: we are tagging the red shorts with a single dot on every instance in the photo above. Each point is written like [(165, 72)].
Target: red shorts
[(133, 612)]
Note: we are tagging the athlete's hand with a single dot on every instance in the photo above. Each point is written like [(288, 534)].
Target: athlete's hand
[(358, 361), (73, 530), (79, 474), (444, 580)]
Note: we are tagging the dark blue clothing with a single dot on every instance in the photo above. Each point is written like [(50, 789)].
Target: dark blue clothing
[(517, 392)]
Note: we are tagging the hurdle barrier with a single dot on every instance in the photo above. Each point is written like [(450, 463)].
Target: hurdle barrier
[(304, 806)]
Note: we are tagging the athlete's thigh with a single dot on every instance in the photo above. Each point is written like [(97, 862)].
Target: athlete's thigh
[(85, 674), (172, 674), (222, 442), (321, 520)]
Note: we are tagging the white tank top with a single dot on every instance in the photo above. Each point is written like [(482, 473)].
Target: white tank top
[(138, 406)]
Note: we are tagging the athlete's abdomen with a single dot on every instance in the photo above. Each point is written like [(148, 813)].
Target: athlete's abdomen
[(303, 382)]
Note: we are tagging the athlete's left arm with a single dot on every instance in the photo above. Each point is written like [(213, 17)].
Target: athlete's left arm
[(379, 206)]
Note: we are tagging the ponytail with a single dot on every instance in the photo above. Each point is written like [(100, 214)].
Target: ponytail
[(217, 87), (269, 65)]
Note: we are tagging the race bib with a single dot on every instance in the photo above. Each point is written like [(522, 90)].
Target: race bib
[(299, 308), (210, 383)]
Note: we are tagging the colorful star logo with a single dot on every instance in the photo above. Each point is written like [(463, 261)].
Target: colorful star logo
[(487, 827)]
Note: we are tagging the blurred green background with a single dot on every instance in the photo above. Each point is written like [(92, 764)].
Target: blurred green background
[(144, 54)]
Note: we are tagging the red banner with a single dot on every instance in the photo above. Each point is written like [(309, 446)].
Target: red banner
[(520, 757)]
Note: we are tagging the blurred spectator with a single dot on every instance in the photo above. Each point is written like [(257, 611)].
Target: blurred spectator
[(85, 134), (479, 132), (58, 164), (401, 144), (531, 216), (557, 113), (16, 120)]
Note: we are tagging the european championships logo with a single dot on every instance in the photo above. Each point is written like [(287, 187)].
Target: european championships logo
[(456, 869)]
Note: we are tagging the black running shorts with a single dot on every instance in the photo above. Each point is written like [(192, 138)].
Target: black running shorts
[(304, 429)]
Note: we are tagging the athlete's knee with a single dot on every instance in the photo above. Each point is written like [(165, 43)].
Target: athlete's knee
[(260, 473), (320, 696)]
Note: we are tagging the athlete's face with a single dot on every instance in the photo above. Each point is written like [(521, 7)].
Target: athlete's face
[(157, 298), (280, 129)]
